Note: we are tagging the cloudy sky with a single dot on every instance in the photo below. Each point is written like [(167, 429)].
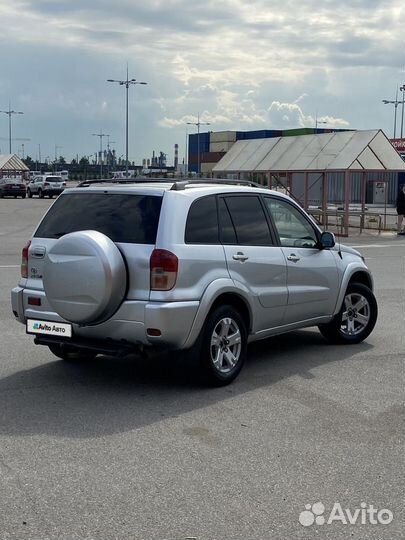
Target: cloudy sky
[(241, 64)]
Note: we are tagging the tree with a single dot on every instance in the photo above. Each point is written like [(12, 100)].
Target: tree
[(29, 162)]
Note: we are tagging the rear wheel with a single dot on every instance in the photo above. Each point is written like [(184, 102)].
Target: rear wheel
[(71, 354), (23, 196), (356, 318), (222, 346), (29, 193)]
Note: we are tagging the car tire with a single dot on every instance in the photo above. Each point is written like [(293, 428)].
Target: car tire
[(222, 346), (23, 196), (356, 318), (71, 354), (40, 193), (29, 193)]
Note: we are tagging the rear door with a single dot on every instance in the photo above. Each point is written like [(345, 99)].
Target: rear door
[(312, 275), (253, 259)]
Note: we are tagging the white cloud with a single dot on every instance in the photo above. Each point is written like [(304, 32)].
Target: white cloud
[(243, 64)]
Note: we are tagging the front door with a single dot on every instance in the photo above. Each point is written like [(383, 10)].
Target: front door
[(312, 276)]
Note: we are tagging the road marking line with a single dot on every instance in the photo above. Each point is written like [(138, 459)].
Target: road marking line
[(9, 266), (376, 245)]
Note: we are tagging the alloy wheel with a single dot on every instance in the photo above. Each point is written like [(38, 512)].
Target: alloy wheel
[(226, 345)]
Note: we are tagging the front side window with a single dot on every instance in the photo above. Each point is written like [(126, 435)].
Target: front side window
[(293, 228), (249, 221)]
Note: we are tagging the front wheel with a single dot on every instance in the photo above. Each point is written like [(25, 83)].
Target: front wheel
[(29, 193), (223, 346), (356, 318), (40, 193), (71, 354)]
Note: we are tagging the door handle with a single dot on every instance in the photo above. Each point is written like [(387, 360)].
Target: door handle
[(240, 257), (293, 257)]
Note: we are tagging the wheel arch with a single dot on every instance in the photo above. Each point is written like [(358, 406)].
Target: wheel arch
[(361, 277), (353, 274), (220, 292), (236, 301)]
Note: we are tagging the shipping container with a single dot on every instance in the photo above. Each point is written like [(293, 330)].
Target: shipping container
[(203, 142), (220, 146), (298, 131), (193, 158), (211, 157), (222, 136), (206, 168), (259, 134)]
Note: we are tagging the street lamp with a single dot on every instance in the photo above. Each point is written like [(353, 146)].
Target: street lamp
[(9, 113), (101, 135), (127, 82), (394, 102), (198, 124), (402, 89)]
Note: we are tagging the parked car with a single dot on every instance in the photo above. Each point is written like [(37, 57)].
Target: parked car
[(12, 187), (46, 185), (201, 268)]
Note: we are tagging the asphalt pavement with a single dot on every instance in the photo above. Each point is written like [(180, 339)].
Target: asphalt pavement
[(129, 449)]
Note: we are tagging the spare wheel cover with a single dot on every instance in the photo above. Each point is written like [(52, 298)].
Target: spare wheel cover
[(85, 277)]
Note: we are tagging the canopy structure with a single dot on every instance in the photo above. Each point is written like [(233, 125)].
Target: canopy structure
[(11, 165), (342, 167), (339, 151)]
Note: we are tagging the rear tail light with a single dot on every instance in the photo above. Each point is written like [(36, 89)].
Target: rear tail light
[(163, 270), (47, 184), (24, 260), (63, 183)]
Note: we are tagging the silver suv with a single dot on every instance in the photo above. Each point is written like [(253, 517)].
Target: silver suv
[(202, 267), (46, 185)]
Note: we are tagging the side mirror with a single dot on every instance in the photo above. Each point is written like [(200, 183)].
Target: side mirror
[(327, 240)]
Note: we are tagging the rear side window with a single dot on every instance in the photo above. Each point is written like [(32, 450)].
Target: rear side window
[(123, 218), (202, 222), (249, 220)]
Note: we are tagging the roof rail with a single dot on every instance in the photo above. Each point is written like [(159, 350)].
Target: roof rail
[(136, 180), (181, 185)]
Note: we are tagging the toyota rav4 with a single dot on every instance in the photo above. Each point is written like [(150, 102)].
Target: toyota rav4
[(202, 267)]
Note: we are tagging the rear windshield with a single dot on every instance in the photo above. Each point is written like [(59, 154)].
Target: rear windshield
[(53, 179), (123, 218)]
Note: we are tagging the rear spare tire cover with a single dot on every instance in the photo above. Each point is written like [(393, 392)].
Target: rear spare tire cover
[(85, 277)]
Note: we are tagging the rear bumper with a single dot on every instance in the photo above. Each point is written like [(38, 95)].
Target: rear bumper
[(13, 192), (129, 325)]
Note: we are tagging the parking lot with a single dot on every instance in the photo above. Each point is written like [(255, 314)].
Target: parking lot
[(130, 449)]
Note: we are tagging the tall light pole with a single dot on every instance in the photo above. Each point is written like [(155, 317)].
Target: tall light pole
[(127, 82), (394, 102), (198, 124), (402, 89), (9, 113), (101, 135)]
